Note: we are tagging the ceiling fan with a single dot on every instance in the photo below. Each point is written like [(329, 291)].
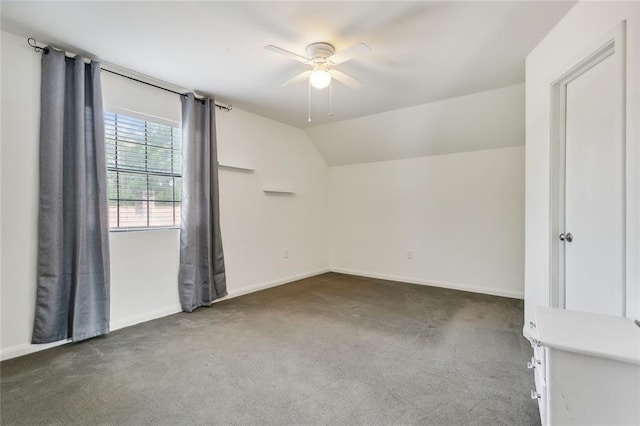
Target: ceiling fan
[(322, 58)]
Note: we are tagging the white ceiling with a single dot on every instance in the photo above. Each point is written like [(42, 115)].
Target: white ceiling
[(421, 51)]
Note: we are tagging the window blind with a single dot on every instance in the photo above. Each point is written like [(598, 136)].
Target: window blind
[(144, 169)]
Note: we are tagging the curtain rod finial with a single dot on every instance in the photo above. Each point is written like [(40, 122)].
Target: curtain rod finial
[(34, 44)]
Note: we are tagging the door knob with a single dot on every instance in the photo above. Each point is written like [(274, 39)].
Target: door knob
[(568, 237)]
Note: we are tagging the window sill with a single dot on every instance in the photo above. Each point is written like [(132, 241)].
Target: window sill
[(157, 228)]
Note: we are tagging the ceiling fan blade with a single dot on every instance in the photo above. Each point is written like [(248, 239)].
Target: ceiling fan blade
[(345, 79), (297, 78), (349, 53), (284, 52)]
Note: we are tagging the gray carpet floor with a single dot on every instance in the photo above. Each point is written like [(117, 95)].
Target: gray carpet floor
[(332, 349)]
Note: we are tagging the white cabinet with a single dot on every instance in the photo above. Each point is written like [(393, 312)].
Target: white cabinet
[(586, 368)]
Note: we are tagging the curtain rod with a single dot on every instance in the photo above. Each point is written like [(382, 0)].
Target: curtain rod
[(220, 106), (33, 43)]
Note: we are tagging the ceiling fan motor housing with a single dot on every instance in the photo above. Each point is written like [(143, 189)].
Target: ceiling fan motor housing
[(319, 53)]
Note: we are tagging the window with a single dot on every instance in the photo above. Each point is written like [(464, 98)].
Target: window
[(144, 169)]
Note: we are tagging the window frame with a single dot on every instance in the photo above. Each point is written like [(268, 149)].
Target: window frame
[(155, 120)]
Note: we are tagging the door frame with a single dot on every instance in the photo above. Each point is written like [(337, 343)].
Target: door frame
[(612, 43)]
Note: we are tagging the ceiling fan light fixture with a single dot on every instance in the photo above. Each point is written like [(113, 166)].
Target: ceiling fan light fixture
[(320, 78)]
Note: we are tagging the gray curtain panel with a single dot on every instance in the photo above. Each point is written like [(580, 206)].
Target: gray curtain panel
[(201, 279), (73, 247)]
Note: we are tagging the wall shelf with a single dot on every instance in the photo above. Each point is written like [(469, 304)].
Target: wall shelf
[(236, 167), (278, 190)]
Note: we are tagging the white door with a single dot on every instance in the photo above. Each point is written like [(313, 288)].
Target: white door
[(593, 231)]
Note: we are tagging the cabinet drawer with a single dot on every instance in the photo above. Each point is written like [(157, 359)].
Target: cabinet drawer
[(539, 361), (538, 365), (541, 393)]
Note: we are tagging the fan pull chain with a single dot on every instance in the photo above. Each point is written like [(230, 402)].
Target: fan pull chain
[(309, 118), (330, 98)]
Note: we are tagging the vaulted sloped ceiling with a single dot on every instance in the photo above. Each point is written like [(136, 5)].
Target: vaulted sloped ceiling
[(486, 120)]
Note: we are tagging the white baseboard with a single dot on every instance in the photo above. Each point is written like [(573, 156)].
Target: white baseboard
[(474, 288), (273, 283), (145, 316), (27, 348)]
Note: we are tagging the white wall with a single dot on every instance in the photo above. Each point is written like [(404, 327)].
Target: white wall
[(144, 265), (578, 31), (462, 216), (257, 228), (19, 172)]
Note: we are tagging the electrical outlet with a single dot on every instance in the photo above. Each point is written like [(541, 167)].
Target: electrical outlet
[(286, 254), (409, 254)]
